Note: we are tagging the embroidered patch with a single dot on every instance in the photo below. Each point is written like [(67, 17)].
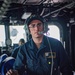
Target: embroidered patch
[(49, 54)]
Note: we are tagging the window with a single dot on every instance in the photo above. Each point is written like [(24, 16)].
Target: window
[(2, 35), (16, 33), (53, 32)]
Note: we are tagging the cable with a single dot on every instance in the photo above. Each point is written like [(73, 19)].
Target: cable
[(24, 2), (51, 56), (66, 6), (42, 11)]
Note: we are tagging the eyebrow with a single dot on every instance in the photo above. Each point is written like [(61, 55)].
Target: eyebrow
[(36, 23)]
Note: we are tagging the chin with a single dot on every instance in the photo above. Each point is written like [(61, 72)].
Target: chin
[(38, 36)]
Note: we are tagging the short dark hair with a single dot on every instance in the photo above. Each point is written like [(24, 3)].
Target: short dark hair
[(22, 40)]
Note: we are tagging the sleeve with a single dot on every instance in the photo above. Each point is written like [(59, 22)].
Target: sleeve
[(64, 61), (14, 52), (19, 63)]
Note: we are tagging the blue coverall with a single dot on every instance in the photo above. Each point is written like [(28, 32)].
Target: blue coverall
[(15, 51), (38, 61)]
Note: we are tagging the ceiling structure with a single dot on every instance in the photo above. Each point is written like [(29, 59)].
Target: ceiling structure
[(47, 8)]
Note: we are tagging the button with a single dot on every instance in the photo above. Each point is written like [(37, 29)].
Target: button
[(49, 62)]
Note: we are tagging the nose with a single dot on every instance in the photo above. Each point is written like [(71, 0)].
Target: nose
[(36, 27)]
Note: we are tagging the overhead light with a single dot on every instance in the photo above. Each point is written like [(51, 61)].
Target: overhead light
[(26, 15), (71, 20)]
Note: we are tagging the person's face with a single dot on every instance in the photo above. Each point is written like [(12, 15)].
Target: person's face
[(36, 26), (20, 43)]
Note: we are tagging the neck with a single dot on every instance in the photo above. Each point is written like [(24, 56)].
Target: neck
[(38, 41)]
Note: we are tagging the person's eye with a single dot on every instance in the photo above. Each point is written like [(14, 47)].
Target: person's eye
[(39, 24), (33, 25)]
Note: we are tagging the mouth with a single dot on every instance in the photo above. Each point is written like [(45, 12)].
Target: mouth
[(36, 33)]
